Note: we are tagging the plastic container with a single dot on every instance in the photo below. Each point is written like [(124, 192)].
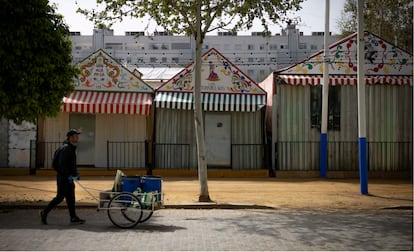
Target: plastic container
[(152, 184), (130, 183)]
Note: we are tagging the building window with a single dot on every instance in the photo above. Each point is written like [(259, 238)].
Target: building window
[(273, 47), (334, 108), (116, 46), (153, 59), (175, 60), (314, 47), (237, 47), (262, 47), (302, 46), (250, 47), (180, 46)]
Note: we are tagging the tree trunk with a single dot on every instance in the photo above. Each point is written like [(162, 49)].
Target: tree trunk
[(198, 116)]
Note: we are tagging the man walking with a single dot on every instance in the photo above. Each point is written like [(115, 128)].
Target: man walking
[(66, 172)]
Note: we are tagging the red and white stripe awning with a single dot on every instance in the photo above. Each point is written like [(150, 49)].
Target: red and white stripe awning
[(334, 80), (94, 102)]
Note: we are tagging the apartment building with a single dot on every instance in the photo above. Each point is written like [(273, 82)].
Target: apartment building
[(254, 54)]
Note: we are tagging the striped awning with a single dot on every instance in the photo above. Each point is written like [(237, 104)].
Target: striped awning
[(108, 102), (211, 102), (334, 80)]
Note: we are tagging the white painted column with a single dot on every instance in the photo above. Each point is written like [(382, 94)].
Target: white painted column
[(325, 92)]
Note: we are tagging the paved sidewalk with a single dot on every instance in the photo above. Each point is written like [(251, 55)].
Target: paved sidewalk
[(211, 230), (327, 194)]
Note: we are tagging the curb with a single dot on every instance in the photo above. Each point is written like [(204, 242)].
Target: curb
[(169, 206), (204, 205), (398, 208)]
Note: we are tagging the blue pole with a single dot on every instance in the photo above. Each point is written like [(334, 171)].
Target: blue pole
[(323, 155), (363, 170)]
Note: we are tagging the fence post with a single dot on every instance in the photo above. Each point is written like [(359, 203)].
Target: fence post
[(107, 155), (276, 158), (32, 168), (147, 165)]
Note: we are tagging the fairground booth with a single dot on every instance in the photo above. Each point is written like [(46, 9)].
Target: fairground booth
[(233, 110), (294, 110), (112, 109)]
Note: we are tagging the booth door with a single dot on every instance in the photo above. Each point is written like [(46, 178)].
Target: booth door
[(85, 150), (218, 139)]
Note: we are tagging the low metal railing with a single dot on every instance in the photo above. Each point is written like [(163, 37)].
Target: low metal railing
[(295, 155), (41, 154), (344, 155), (171, 155), (127, 154), (390, 156), (248, 156)]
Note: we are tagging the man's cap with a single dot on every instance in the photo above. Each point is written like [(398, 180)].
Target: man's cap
[(72, 132)]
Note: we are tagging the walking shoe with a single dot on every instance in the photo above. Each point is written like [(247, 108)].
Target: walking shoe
[(43, 217), (77, 220)]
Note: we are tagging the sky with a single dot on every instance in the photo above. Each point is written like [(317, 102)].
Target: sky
[(312, 17)]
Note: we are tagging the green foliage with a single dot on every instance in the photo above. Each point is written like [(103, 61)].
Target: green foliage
[(179, 16), (36, 68), (389, 19)]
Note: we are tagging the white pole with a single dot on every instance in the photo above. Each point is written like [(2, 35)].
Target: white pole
[(325, 93), (363, 170)]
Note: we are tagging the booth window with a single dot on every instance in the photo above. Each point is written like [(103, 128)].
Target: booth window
[(334, 107)]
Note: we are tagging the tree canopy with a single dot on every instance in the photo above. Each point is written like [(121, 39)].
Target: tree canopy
[(179, 16), (389, 19), (36, 69)]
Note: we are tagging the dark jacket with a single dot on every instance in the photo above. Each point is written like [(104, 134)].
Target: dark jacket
[(67, 159)]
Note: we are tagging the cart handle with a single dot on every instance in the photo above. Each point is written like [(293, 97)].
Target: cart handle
[(86, 190)]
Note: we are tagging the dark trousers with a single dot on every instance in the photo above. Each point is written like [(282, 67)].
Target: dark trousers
[(65, 190)]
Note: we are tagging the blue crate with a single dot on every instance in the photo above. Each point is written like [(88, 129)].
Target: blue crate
[(130, 183)]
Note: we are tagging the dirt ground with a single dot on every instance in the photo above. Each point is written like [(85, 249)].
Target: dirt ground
[(328, 194)]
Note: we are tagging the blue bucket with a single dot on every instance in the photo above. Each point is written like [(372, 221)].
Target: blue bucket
[(151, 184), (130, 183)]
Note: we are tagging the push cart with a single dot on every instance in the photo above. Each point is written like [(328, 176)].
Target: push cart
[(127, 209)]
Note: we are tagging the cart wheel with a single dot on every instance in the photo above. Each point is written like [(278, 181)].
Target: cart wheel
[(146, 214), (125, 210)]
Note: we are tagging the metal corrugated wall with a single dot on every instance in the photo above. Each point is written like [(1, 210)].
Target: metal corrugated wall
[(123, 128), (389, 129), (343, 143), (247, 141), (172, 127), (298, 143), (175, 127)]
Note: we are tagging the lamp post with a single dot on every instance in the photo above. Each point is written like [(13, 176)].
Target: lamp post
[(325, 93)]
